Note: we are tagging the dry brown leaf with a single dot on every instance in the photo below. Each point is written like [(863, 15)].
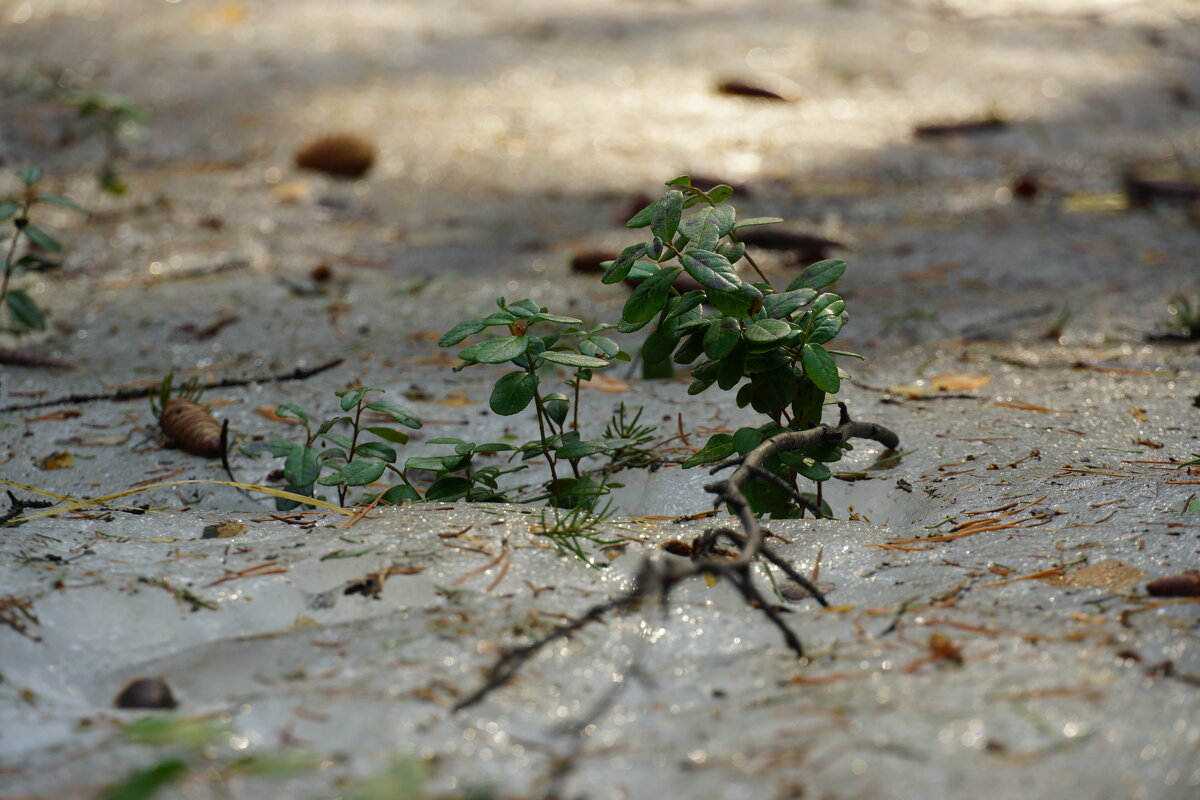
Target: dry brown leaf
[(1138, 413), (56, 416), (954, 382), (455, 399), (946, 382), (268, 412), (292, 192), (223, 530), (606, 383), (59, 460), (1108, 574)]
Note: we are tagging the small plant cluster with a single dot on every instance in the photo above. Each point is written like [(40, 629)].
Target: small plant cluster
[(23, 313), (97, 116), (535, 358), (354, 459), (770, 343), (770, 346), (1184, 317)]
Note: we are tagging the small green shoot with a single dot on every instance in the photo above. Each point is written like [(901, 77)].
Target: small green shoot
[(24, 314), (354, 460)]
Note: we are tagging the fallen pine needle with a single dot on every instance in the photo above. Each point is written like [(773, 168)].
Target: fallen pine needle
[(1046, 573), (95, 501)]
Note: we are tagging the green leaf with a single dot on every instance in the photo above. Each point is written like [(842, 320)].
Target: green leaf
[(143, 784), (820, 369), (711, 270), (719, 447), (494, 447), (42, 239), (358, 472), (30, 176), (570, 359), (389, 434), (522, 308), (376, 450), (642, 218), (685, 303), (779, 306), (649, 297), (599, 346), (542, 316), (664, 218), (722, 336), (770, 392), (65, 202), (402, 415), (24, 312), (767, 331), (399, 494), (743, 302), (499, 318), (302, 466), (513, 393), (8, 208), (448, 489), (328, 424), (704, 238), (720, 216), (820, 274), (436, 463), (658, 347), (352, 397), (495, 351), (291, 411), (571, 450), (732, 251), (828, 303), (746, 439), (461, 331), (276, 448), (732, 367), (720, 193), (682, 180), (751, 222), (806, 466), (824, 328), (557, 406), (806, 405), (691, 348)]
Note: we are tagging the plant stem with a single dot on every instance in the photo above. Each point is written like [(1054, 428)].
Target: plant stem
[(12, 250), (541, 414), (342, 488)]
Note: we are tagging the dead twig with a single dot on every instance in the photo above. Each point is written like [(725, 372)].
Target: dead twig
[(657, 578), (139, 392)]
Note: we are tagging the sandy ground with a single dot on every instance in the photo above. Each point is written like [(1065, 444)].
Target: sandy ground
[(509, 138)]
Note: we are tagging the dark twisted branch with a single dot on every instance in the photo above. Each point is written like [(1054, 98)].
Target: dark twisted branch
[(658, 579)]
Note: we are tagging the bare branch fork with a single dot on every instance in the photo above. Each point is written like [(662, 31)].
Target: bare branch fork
[(657, 579)]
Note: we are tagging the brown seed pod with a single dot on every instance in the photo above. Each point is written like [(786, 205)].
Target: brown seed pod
[(191, 426), (342, 155), (146, 693)]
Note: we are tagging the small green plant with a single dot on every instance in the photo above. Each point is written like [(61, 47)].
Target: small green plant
[(569, 528), (1183, 316), (113, 121), (769, 345), (23, 312), (535, 357), (354, 460), (456, 476)]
